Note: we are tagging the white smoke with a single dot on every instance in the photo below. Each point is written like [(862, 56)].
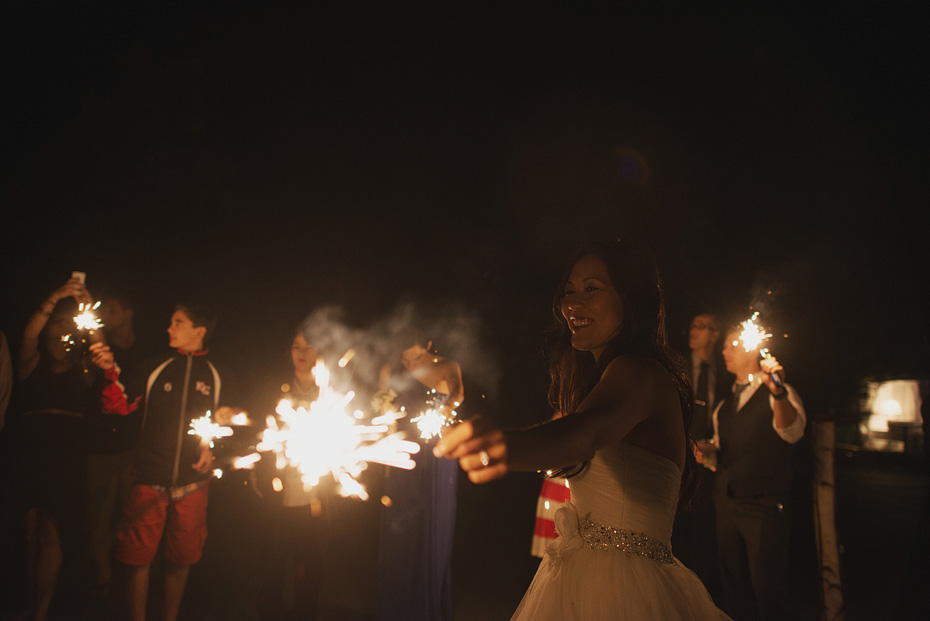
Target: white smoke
[(456, 334)]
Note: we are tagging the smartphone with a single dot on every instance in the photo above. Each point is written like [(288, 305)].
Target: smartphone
[(79, 275)]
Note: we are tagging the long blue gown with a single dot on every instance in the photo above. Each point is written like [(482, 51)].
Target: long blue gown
[(415, 553)]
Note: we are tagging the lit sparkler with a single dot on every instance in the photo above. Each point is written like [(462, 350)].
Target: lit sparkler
[(86, 319), (435, 418), (753, 336), (86, 322), (208, 429), (325, 439)]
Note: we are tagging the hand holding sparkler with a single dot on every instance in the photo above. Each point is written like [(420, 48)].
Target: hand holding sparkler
[(479, 445), (774, 374), (752, 337), (205, 462), (102, 356)]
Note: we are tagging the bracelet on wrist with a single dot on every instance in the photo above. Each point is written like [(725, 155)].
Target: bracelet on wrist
[(44, 313), (781, 395)]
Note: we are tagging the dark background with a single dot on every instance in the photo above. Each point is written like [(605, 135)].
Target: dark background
[(277, 157), (273, 158)]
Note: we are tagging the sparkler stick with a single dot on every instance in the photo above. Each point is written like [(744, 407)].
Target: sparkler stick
[(752, 337), (323, 439)]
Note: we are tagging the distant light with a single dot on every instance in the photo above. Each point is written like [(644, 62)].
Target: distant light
[(889, 408)]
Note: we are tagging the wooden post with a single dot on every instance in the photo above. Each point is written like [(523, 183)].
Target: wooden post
[(825, 519)]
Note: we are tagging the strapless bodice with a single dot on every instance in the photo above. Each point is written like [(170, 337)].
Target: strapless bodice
[(631, 488)]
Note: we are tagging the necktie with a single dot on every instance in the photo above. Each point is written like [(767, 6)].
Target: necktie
[(702, 421)]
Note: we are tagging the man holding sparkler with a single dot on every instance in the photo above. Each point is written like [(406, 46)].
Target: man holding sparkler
[(756, 427), (171, 468)]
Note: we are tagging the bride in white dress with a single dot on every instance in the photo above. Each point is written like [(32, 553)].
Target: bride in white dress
[(624, 438)]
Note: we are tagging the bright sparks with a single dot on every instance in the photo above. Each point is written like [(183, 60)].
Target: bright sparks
[(326, 440), (431, 422), (753, 335), (241, 419), (207, 429), (86, 319)]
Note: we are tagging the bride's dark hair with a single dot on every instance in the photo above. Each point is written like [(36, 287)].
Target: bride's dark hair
[(574, 373)]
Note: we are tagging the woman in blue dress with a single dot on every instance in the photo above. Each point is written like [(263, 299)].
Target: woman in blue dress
[(418, 519)]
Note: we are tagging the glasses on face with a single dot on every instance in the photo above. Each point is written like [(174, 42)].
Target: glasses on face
[(701, 326)]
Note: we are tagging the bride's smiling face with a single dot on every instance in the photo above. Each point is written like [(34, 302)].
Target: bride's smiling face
[(591, 306)]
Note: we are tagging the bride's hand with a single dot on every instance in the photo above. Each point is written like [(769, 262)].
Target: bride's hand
[(480, 447)]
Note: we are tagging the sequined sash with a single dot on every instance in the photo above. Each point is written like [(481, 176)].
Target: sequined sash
[(599, 537)]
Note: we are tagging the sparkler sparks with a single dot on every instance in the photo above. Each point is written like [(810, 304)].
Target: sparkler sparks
[(325, 439), (752, 337), (86, 319), (208, 430), (431, 422)]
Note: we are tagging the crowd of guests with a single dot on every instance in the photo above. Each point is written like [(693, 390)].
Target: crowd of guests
[(102, 424), (100, 421)]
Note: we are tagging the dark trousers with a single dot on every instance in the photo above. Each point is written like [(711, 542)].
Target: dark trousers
[(753, 537), (694, 536)]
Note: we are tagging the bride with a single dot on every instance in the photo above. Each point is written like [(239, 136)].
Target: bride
[(624, 444)]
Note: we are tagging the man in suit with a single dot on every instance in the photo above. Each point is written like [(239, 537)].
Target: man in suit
[(694, 537), (709, 377), (757, 426)]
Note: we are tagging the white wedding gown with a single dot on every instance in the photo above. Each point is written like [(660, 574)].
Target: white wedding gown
[(612, 559)]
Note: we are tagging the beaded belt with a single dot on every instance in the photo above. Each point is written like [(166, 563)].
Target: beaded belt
[(599, 537)]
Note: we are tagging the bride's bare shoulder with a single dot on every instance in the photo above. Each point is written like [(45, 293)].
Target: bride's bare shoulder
[(636, 368)]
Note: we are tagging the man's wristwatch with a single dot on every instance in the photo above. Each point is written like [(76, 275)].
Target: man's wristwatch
[(780, 395)]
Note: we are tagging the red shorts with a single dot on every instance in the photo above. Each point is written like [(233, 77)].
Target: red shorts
[(146, 515)]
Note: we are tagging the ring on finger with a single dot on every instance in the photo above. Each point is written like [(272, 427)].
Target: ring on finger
[(484, 457)]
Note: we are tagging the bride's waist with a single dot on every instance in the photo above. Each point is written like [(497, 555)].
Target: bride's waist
[(603, 536), (647, 520)]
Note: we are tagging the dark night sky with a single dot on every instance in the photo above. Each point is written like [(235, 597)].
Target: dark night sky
[(274, 158)]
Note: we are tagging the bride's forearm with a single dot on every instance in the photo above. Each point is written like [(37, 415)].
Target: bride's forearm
[(546, 447)]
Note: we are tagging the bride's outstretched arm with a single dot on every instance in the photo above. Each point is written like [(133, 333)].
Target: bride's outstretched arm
[(628, 393)]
